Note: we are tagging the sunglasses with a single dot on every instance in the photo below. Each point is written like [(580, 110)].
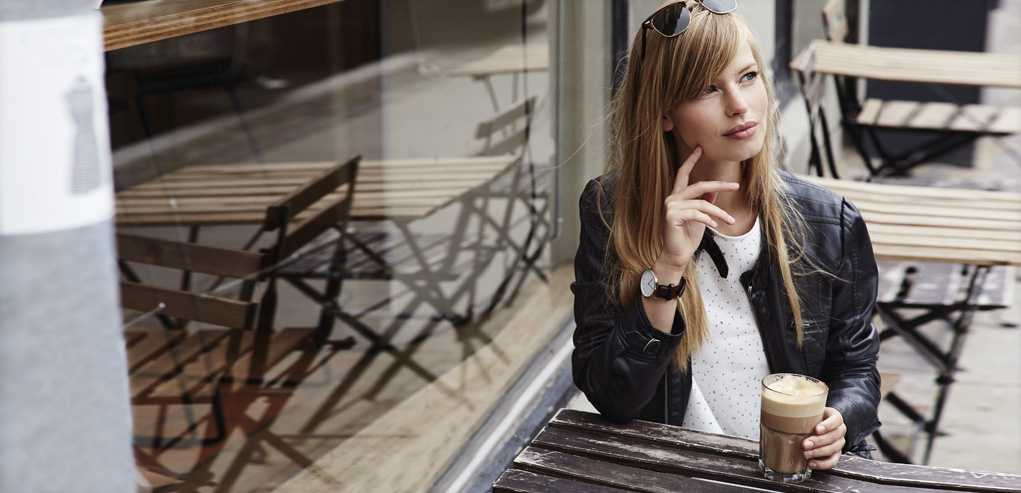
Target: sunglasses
[(672, 20)]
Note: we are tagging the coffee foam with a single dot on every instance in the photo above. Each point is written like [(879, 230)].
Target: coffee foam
[(794, 397)]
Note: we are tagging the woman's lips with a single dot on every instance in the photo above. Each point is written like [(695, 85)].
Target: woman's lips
[(743, 132)]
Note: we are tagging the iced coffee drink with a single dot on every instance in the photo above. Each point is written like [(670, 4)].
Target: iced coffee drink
[(792, 405)]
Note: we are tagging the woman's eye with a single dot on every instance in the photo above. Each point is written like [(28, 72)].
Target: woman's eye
[(750, 76)]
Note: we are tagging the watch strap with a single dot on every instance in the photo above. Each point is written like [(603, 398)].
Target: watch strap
[(670, 291)]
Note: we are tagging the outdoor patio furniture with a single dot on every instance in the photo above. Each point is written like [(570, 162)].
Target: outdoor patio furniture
[(944, 255), (951, 125), (178, 366), (580, 451)]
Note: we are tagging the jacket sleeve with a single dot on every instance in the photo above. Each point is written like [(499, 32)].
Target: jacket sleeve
[(619, 357), (852, 347)]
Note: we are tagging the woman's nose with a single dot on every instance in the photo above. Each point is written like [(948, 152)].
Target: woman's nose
[(736, 104)]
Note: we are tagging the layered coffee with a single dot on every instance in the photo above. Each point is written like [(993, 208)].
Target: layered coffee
[(792, 405)]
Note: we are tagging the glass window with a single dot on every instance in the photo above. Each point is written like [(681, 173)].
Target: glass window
[(277, 305)]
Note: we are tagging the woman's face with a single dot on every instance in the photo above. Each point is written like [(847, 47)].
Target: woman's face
[(728, 118)]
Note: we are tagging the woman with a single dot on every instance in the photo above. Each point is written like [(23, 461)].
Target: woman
[(702, 266)]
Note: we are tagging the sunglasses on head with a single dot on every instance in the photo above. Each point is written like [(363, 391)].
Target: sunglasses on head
[(672, 20)]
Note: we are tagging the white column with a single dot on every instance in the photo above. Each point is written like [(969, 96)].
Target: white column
[(65, 421)]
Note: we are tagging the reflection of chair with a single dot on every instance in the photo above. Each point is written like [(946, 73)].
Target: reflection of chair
[(181, 367), (951, 126)]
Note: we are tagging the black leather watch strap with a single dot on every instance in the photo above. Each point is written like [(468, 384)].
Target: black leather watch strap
[(670, 291)]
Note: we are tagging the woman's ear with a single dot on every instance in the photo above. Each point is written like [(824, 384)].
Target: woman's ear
[(667, 123)]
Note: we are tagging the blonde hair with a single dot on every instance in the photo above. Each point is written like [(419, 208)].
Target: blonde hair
[(644, 160)]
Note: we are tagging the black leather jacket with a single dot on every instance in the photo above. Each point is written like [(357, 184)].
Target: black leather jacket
[(627, 369)]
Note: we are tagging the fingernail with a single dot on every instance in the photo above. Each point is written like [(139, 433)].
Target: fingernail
[(813, 464), (731, 219), (808, 455), (809, 444), (821, 429)]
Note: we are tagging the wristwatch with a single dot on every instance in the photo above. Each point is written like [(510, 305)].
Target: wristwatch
[(651, 287)]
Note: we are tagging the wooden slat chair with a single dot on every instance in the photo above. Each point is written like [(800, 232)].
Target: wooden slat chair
[(951, 125), (177, 366), (205, 358), (938, 264)]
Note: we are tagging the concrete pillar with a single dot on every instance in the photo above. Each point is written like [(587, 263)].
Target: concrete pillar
[(581, 76), (65, 421)]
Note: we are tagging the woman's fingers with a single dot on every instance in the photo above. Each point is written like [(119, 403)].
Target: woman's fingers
[(825, 450), (830, 436), (701, 188), (681, 180), (682, 216), (706, 207), (823, 464), (713, 210)]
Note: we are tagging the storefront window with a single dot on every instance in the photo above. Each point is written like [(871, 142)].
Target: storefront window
[(230, 146)]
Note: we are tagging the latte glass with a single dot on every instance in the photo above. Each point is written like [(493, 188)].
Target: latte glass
[(792, 405)]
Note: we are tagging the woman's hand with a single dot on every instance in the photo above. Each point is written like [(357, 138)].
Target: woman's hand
[(822, 449), (689, 209)]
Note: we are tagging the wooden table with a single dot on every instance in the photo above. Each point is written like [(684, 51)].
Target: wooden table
[(976, 230), (972, 227), (582, 452), (131, 24)]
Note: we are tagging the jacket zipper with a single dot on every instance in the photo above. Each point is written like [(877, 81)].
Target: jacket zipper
[(666, 396)]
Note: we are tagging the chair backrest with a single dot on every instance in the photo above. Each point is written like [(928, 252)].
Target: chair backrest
[(315, 205), (810, 82), (835, 21), (813, 90), (187, 305), (508, 131)]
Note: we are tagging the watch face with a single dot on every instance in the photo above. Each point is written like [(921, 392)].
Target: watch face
[(648, 283)]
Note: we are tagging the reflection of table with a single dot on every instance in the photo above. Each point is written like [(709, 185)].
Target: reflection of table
[(399, 191), (137, 23), (514, 60), (507, 60), (580, 451), (973, 236), (239, 193)]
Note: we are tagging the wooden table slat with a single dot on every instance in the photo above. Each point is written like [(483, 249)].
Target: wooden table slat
[(913, 190), (933, 231), (980, 207), (675, 438), (603, 473), (638, 452), (520, 481)]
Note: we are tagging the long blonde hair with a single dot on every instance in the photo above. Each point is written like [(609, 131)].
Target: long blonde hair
[(644, 160)]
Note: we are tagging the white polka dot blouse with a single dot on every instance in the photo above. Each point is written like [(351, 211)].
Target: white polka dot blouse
[(726, 371)]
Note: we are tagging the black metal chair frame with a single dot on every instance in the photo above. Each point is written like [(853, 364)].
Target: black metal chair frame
[(958, 317)]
